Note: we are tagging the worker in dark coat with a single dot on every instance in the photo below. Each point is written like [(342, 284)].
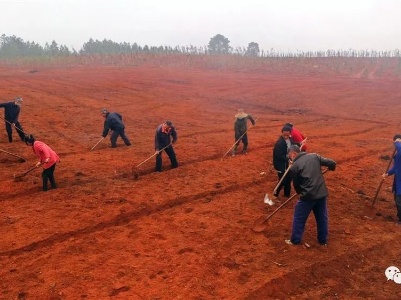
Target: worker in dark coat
[(280, 160), (11, 114), (114, 121), (309, 183), (165, 136), (240, 129)]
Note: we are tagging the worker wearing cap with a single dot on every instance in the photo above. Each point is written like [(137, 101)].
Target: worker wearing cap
[(240, 130), (11, 113), (166, 135), (114, 121), (297, 137)]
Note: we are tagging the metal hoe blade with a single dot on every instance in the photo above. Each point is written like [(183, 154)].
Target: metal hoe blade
[(267, 200)]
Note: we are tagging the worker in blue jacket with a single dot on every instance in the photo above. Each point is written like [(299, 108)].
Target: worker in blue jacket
[(114, 121), (11, 114), (166, 135), (396, 171)]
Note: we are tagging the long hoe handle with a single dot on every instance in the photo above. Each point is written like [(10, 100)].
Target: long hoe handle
[(140, 164), (97, 143), (23, 174), (281, 180), (14, 126), (152, 156), (382, 181), (258, 224), (23, 159)]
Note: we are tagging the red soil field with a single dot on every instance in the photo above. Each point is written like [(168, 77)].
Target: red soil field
[(186, 233)]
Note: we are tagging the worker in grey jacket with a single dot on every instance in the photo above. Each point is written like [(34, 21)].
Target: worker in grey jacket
[(309, 183)]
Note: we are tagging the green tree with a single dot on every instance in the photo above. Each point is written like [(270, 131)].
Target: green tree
[(253, 49), (219, 44), (54, 49)]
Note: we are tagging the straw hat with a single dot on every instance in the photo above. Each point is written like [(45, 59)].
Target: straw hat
[(241, 114)]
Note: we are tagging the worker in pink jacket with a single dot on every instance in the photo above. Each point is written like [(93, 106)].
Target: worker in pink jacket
[(47, 157)]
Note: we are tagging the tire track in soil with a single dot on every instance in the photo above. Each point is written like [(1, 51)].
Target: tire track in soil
[(305, 112), (263, 107), (135, 172), (124, 218), (320, 270)]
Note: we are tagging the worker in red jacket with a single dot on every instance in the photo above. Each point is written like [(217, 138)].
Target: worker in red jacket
[(297, 137), (47, 158)]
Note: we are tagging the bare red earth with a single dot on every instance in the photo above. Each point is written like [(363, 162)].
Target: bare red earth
[(186, 233)]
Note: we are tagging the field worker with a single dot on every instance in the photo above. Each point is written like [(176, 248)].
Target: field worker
[(396, 171), (309, 183), (280, 160), (114, 121), (47, 158), (11, 114), (297, 137), (240, 129), (166, 135)]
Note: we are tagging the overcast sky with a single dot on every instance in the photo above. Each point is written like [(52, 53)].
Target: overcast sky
[(280, 24)]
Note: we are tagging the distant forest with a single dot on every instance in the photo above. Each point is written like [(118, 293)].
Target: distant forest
[(13, 47)]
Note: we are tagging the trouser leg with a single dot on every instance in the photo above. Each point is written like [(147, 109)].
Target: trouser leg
[(9, 132), (397, 199), (45, 178), (237, 141), (245, 142), (301, 214), (159, 162), (20, 131), (279, 175), (321, 216), (287, 185), (51, 176), (113, 139), (171, 154), (125, 138)]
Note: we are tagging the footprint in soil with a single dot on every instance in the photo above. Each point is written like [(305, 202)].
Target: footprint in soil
[(116, 291), (231, 264), (243, 278)]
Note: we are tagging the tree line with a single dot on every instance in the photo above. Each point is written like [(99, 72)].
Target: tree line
[(14, 47)]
